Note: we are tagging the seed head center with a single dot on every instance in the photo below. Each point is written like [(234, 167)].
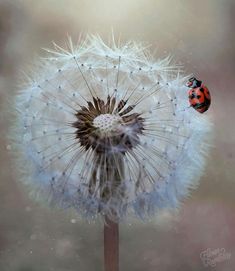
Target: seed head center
[(107, 124)]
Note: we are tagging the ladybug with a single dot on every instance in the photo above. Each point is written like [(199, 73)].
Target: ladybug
[(199, 95)]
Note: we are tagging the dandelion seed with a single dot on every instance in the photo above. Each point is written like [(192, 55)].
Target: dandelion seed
[(107, 130)]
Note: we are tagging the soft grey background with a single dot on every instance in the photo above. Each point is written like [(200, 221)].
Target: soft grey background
[(199, 34)]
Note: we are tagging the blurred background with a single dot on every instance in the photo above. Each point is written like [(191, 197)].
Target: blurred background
[(200, 34)]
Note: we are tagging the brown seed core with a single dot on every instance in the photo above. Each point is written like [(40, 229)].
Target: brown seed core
[(108, 127)]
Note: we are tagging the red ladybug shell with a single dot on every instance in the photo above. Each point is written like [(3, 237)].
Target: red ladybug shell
[(200, 98)]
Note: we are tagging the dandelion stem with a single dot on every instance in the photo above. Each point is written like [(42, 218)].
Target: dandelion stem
[(111, 245)]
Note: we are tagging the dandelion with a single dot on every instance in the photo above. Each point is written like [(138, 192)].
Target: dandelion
[(108, 131)]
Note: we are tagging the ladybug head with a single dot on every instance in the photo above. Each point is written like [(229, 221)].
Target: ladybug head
[(193, 83)]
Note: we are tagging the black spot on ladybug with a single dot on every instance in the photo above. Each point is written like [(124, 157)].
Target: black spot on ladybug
[(198, 96), (202, 89), (192, 96)]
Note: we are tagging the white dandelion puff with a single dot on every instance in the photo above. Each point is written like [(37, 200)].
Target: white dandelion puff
[(108, 130)]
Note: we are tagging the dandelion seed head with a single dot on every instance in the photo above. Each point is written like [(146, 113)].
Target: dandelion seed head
[(107, 124), (107, 130)]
